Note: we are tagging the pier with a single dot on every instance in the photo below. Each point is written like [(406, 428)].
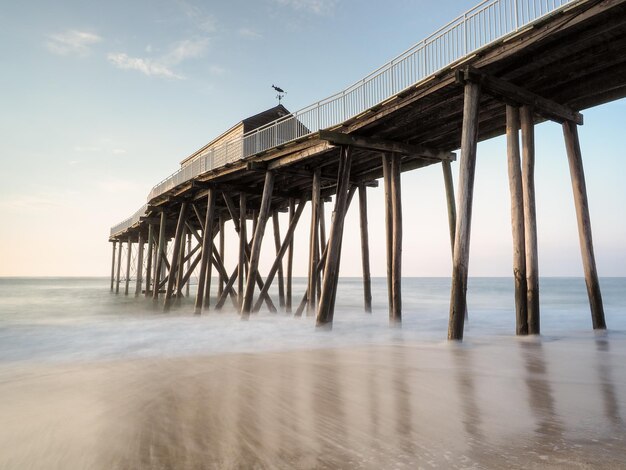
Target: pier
[(499, 69)]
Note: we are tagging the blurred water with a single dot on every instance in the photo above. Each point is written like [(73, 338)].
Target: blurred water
[(60, 319), (93, 380)]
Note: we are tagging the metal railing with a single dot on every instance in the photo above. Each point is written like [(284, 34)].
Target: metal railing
[(486, 23)]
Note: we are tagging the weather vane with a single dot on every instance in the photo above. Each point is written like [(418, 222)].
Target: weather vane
[(280, 91)]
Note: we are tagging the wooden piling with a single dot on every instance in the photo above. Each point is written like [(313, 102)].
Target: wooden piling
[(119, 267), (113, 265), (243, 241), (277, 244), (577, 175), (128, 257), (288, 299), (282, 249), (530, 218), (187, 286), (222, 223), (206, 253), (176, 259), (469, 140), (396, 207), (517, 219), (313, 240), (158, 269), (149, 260), (365, 250), (255, 251), (449, 186), (138, 285), (180, 268), (326, 305), (386, 164)]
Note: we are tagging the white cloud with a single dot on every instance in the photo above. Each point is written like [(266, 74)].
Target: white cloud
[(249, 33), (83, 149), (72, 42), (319, 7), (119, 151), (217, 70), (162, 66), (146, 66)]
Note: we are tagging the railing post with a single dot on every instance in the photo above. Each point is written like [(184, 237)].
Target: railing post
[(465, 34), (516, 15)]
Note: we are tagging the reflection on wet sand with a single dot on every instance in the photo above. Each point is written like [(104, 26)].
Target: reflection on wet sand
[(507, 404)]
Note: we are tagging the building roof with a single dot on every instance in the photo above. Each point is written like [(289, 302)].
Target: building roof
[(249, 124)]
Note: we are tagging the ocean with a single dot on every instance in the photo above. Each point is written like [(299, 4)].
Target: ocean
[(90, 379)]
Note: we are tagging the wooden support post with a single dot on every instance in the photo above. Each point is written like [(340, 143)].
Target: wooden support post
[(128, 256), (243, 242), (313, 240), (209, 275), (180, 268), (282, 249), (449, 185), (119, 267), (530, 218), (113, 265), (277, 244), (207, 247), (222, 223), (149, 259), (138, 285), (255, 251), (331, 270), (469, 140), (176, 260), (517, 219), (365, 250), (386, 163), (288, 300), (158, 268), (577, 174), (187, 287), (232, 210), (396, 264)]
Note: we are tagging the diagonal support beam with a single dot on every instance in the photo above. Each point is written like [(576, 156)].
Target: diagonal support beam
[(514, 94), (339, 138)]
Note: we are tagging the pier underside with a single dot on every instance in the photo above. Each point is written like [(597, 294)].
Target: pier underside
[(570, 61)]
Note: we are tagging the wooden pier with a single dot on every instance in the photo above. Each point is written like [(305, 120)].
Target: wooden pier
[(551, 70)]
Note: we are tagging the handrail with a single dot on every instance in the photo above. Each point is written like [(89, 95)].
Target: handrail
[(479, 27)]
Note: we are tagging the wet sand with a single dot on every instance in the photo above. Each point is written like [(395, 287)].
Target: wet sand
[(487, 403)]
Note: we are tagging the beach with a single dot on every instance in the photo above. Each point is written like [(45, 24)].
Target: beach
[(89, 380), (506, 403)]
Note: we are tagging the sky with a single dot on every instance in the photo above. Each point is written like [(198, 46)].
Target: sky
[(99, 101)]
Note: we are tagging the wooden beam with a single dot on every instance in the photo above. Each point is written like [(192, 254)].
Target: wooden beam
[(281, 280), (282, 249), (139, 280), (396, 207), (288, 300), (180, 229), (370, 143), (365, 250), (222, 223), (530, 218), (113, 266), (314, 240), (517, 219), (159, 261), (128, 257), (243, 244), (579, 188), (469, 140), (255, 251), (514, 94), (386, 163), (331, 270), (207, 238), (149, 259)]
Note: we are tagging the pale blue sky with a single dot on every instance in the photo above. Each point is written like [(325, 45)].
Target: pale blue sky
[(101, 100)]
